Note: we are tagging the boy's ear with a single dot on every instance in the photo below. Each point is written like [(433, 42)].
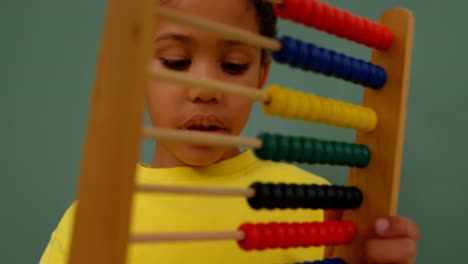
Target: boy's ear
[(264, 71)]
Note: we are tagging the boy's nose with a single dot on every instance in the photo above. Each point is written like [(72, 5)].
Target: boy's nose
[(203, 95)]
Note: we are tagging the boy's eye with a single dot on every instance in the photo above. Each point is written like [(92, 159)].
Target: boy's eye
[(234, 68), (178, 65)]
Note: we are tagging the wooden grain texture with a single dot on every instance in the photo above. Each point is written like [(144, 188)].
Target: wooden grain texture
[(111, 148), (380, 181)]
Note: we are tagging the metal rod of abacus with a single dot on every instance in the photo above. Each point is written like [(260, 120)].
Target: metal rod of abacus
[(195, 137), (214, 85), (195, 190), (188, 236)]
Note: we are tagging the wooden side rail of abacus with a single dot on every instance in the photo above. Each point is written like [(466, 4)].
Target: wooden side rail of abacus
[(113, 137), (380, 181)]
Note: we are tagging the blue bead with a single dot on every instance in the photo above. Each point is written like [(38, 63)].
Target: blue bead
[(314, 58), (333, 261), (341, 70), (373, 78), (362, 73), (295, 59), (314, 54), (293, 52), (281, 56), (365, 74), (327, 66), (382, 77), (356, 70), (323, 59), (302, 61)]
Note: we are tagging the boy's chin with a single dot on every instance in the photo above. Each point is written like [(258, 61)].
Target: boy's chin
[(202, 156)]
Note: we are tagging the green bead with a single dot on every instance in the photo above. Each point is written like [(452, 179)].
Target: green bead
[(348, 154), (268, 149), (283, 148), (357, 156), (295, 151), (307, 150), (339, 153), (319, 150), (365, 156), (329, 152)]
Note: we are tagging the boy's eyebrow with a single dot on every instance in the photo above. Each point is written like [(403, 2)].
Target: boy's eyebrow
[(173, 36)]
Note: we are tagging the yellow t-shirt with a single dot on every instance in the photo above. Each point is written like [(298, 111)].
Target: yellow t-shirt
[(191, 213)]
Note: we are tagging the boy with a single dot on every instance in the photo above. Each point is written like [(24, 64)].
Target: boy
[(173, 106)]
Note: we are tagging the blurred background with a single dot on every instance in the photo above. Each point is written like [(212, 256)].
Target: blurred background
[(47, 68)]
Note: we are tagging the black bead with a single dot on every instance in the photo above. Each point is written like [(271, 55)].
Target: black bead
[(262, 193), (278, 196)]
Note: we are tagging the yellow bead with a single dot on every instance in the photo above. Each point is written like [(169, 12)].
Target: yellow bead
[(304, 106), (292, 105), (315, 108), (276, 101), (371, 119)]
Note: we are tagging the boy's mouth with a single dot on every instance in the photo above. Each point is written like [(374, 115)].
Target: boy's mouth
[(214, 129), (205, 123)]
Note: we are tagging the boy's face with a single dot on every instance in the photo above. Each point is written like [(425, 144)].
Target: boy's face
[(207, 56)]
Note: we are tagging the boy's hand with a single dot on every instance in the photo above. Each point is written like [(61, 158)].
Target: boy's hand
[(394, 241)]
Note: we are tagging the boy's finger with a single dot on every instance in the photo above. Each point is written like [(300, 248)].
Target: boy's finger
[(397, 226), (398, 250)]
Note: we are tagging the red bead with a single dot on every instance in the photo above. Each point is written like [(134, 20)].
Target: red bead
[(363, 33), (280, 234), (318, 15), (325, 233), (332, 233), (252, 236), (350, 230), (297, 13), (335, 21), (286, 9), (348, 28), (307, 13), (374, 38), (313, 234), (291, 236), (388, 38), (266, 236), (338, 25), (340, 235), (301, 233), (328, 18)]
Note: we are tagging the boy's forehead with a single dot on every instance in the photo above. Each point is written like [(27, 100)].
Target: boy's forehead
[(235, 12)]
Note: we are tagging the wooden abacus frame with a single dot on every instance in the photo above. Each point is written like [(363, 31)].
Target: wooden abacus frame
[(101, 230)]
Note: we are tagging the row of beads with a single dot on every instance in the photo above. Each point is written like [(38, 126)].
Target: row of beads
[(312, 151), (325, 261), (313, 196), (288, 103), (310, 57), (290, 235), (341, 23)]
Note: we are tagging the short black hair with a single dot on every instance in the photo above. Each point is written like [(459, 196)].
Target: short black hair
[(267, 20)]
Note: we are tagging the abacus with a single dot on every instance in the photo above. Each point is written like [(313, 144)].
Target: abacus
[(114, 132)]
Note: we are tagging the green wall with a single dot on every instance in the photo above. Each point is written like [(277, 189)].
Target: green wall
[(47, 67)]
